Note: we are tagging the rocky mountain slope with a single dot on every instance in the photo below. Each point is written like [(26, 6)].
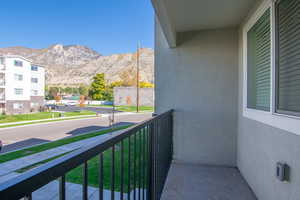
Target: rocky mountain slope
[(74, 64)]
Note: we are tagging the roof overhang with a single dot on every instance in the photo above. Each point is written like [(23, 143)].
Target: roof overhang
[(177, 16)]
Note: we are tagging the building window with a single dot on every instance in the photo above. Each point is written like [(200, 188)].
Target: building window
[(34, 80), (274, 89), (18, 63), (259, 64), (2, 61), (18, 77), (287, 57), (34, 68), (18, 91), (34, 92), (34, 104), (18, 106)]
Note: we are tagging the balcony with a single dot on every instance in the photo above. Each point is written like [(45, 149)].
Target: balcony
[(2, 68), (139, 161), (2, 83)]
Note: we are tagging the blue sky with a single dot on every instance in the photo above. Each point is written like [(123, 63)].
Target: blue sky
[(107, 26)]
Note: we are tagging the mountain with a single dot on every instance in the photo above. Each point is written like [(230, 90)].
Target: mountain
[(74, 64)]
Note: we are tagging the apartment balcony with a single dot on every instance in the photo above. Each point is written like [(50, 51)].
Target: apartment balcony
[(143, 153), (2, 68), (2, 84)]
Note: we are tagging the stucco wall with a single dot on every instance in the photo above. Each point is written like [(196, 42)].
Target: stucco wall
[(9, 107), (260, 146), (199, 80), (127, 96)]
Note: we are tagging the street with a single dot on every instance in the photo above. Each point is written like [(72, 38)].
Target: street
[(20, 137)]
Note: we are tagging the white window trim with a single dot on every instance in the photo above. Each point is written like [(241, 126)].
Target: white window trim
[(281, 121)]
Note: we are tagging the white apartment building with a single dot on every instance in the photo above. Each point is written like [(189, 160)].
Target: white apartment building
[(22, 85)]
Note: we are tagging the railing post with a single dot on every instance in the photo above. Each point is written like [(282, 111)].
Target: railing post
[(151, 163)]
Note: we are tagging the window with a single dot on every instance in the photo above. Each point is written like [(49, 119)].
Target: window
[(18, 63), (34, 68), (259, 64), (34, 92), (34, 80), (34, 104), (18, 91), (18, 106), (18, 77), (271, 87), (2, 61), (288, 55)]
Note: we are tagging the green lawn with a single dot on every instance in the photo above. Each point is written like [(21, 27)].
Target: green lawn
[(40, 115), (50, 145), (75, 176), (128, 108)]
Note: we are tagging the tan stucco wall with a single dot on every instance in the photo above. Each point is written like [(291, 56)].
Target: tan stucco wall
[(199, 80)]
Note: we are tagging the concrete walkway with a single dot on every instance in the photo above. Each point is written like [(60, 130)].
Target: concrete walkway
[(74, 191), (7, 169), (188, 181)]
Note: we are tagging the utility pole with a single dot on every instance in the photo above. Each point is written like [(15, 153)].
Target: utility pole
[(137, 78)]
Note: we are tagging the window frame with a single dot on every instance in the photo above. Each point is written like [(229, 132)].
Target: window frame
[(34, 68), (19, 89), (17, 77), (34, 92), (276, 67), (18, 106), (18, 61), (284, 121), (34, 78)]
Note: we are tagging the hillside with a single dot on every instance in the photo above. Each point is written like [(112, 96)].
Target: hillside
[(74, 64)]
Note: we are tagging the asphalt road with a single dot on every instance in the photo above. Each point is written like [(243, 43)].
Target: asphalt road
[(20, 137)]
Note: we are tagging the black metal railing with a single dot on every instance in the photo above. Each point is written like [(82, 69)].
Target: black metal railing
[(133, 164)]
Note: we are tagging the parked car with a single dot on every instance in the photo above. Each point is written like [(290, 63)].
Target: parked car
[(71, 103)]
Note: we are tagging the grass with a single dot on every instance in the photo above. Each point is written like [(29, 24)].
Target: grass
[(50, 145), (128, 108), (75, 176), (40, 115)]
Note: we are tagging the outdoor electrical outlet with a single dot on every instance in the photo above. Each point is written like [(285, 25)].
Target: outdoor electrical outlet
[(282, 172)]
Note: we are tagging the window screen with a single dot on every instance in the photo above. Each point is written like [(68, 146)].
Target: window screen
[(288, 57), (259, 64)]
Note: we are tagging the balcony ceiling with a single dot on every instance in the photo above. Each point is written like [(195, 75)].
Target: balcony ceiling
[(190, 15), (193, 15)]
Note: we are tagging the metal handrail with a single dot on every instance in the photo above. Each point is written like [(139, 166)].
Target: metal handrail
[(25, 184)]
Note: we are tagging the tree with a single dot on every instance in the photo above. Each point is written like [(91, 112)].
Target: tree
[(68, 90), (53, 92), (83, 90), (146, 85), (97, 90)]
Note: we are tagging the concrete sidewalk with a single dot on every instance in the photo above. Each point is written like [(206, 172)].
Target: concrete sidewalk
[(74, 191), (49, 119), (8, 169)]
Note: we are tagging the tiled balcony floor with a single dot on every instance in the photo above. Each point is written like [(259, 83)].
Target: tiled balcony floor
[(203, 182)]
